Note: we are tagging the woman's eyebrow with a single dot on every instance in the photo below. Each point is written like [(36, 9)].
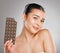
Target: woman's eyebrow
[(43, 18), (37, 16)]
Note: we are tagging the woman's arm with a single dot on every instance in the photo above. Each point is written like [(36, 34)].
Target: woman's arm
[(48, 42)]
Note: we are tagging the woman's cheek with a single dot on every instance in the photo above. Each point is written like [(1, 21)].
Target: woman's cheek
[(32, 22)]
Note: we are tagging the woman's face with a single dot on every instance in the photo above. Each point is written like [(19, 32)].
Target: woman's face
[(34, 20)]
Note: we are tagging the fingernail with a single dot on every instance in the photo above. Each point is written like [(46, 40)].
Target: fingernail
[(11, 40)]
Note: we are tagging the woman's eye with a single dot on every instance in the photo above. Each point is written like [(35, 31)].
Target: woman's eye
[(35, 17), (42, 20)]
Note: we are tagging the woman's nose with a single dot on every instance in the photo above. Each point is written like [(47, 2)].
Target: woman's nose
[(38, 23)]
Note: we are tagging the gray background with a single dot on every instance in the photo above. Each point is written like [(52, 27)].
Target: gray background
[(14, 8)]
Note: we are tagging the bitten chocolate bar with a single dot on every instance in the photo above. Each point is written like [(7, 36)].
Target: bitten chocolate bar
[(10, 29)]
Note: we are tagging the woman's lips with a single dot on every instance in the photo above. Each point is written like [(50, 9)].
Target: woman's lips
[(36, 28)]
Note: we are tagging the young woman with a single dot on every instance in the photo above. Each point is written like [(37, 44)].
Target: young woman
[(33, 39)]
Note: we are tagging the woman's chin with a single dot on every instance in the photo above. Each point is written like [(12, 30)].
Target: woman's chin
[(34, 31)]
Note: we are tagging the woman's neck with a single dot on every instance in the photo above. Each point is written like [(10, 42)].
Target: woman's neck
[(27, 35)]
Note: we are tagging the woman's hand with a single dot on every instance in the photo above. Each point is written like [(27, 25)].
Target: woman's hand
[(9, 47)]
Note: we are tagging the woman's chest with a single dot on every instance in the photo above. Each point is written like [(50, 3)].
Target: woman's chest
[(33, 47)]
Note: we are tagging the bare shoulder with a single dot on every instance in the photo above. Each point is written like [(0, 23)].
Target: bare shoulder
[(44, 30), (48, 41), (45, 33), (17, 40)]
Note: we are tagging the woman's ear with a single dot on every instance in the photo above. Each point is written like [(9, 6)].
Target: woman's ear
[(24, 16)]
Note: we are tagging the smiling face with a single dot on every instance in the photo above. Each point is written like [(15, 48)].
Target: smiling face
[(34, 20)]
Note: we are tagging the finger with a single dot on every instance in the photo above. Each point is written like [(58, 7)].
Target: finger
[(9, 47), (9, 42), (6, 43)]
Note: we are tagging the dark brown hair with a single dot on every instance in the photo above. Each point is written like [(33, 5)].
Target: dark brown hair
[(31, 6)]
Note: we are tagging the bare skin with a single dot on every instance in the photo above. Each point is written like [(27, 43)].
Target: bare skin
[(33, 39)]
